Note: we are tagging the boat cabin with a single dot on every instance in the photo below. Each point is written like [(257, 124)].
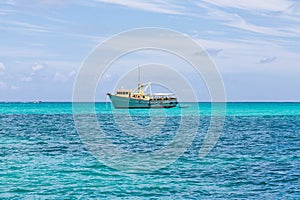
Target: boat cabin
[(123, 93), (130, 94)]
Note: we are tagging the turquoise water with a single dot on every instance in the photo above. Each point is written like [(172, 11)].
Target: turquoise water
[(232, 109), (256, 157)]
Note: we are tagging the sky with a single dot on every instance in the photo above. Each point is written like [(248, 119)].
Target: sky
[(255, 45)]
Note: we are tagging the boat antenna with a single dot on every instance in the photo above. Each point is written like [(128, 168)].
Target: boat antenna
[(140, 86), (139, 73)]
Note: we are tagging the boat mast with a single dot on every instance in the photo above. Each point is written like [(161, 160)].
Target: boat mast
[(140, 86)]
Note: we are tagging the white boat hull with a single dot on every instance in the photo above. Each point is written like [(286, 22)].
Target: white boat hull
[(123, 102)]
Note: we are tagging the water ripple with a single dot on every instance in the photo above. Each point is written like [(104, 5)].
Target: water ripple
[(256, 157)]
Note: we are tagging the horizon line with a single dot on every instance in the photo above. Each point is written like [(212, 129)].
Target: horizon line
[(37, 102)]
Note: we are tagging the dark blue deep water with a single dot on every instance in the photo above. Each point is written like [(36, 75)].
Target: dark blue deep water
[(256, 157)]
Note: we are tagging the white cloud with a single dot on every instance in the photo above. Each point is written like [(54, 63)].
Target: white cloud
[(21, 51), (13, 87), (26, 79), (160, 6), (59, 77), (267, 60), (214, 52), (2, 68), (295, 8), (258, 5), (51, 2), (232, 19), (240, 23), (9, 2), (243, 56), (24, 26), (38, 67), (72, 73), (2, 85), (5, 11)]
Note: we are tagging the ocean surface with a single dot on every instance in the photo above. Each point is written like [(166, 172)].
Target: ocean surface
[(257, 155)]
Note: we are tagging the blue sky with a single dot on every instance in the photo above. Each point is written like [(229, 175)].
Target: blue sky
[(254, 44)]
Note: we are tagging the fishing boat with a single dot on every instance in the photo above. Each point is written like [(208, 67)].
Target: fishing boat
[(139, 99)]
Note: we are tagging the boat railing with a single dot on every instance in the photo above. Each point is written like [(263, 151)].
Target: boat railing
[(163, 97)]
